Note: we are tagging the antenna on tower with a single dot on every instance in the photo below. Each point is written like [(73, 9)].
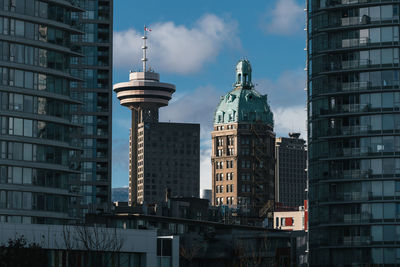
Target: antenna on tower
[(144, 47)]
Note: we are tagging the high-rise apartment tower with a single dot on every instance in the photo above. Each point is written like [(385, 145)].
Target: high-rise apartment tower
[(37, 149), (353, 132), (94, 93)]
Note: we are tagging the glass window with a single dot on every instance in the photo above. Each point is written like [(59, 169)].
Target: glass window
[(28, 103), (376, 233), (376, 166), (375, 78), (28, 152), (376, 100), (375, 56), (388, 144), (27, 176), (387, 34), (376, 190), (375, 35), (19, 78), (19, 28), (387, 100), (387, 12), (28, 79), (388, 122), (17, 175), (388, 189), (17, 200), (27, 200), (376, 123), (377, 211), (387, 78), (18, 126), (374, 13), (377, 256), (28, 128), (389, 210), (387, 56), (17, 150)]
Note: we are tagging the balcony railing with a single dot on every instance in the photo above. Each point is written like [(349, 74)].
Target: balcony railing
[(355, 42), (356, 86), (351, 21), (351, 2), (355, 64)]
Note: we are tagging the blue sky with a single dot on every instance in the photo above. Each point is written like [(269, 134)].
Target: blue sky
[(196, 45)]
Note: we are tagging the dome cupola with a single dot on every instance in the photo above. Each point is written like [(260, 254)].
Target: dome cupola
[(243, 104), (243, 74)]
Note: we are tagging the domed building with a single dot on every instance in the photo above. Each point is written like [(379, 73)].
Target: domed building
[(243, 142)]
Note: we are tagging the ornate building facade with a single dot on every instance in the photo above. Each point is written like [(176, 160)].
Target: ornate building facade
[(243, 148)]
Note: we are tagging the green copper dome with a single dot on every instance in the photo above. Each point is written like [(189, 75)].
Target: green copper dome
[(243, 103)]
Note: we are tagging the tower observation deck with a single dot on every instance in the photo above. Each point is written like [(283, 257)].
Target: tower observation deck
[(143, 94)]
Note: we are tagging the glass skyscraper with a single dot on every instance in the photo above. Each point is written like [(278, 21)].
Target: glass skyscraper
[(36, 138), (354, 132), (95, 92), (55, 102)]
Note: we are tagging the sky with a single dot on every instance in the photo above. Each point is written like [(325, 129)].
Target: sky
[(196, 46)]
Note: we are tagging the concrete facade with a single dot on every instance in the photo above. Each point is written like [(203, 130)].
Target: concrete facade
[(168, 161)]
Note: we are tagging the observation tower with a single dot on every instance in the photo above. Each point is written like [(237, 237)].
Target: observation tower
[(143, 94)]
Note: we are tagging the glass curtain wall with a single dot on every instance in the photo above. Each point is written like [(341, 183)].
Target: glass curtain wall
[(36, 147), (354, 132), (95, 92)]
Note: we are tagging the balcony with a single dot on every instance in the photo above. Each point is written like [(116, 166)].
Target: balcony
[(356, 86), (355, 64), (355, 42), (352, 2), (353, 21)]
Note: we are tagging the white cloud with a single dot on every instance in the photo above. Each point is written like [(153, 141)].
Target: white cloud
[(286, 18), (195, 107), (286, 90), (205, 167), (290, 119), (287, 99), (177, 48)]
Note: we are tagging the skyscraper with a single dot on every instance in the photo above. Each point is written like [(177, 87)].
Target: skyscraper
[(94, 93), (164, 157), (353, 132), (290, 171), (37, 148), (243, 147)]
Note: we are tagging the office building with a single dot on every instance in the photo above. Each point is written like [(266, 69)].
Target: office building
[(353, 132), (37, 148), (164, 157), (95, 95), (290, 170), (243, 147)]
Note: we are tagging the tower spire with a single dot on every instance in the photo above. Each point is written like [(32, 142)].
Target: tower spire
[(144, 47)]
